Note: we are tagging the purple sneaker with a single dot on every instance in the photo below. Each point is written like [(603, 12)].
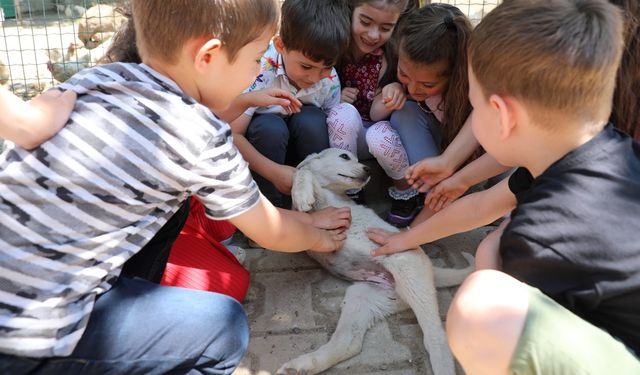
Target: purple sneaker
[(403, 212)]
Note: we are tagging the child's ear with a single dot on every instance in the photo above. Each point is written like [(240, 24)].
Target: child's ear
[(207, 52), (507, 109), (277, 42)]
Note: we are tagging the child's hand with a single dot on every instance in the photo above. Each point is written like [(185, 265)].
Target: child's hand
[(332, 218), (274, 96), (349, 95), (393, 96), (427, 172), (330, 240), (283, 178), (445, 192), (390, 241)]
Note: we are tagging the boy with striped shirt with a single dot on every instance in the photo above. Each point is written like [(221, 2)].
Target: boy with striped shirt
[(141, 140)]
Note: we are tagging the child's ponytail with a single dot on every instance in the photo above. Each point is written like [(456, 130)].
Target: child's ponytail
[(456, 96)]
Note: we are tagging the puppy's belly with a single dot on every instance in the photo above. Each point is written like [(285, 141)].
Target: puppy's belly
[(354, 267)]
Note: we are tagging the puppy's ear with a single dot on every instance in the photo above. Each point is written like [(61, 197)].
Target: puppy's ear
[(307, 160), (303, 190)]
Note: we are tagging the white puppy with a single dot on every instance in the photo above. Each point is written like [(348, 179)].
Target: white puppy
[(320, 181)]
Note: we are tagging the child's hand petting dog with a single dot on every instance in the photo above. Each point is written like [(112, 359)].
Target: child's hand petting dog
[(330, 240), (393, 96), (274, 96), (332, 218), (391, 241)]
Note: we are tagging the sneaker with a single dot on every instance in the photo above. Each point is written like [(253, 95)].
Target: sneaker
[(403, 212), (238, 252)]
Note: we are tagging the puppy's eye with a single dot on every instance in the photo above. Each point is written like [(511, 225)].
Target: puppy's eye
[(345, 156)]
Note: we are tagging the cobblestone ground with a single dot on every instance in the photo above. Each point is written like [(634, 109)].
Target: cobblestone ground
[(293, 307)]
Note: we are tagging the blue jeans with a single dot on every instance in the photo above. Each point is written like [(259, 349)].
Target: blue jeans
[(287, 140), (139, 327), (419, 132)]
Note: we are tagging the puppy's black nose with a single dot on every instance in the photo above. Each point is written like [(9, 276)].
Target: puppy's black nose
[(366, 169)]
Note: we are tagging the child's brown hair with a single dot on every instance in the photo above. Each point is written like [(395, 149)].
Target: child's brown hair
[(626, 98), (163, 26), (556, 56), (390, 48), (435, 33)]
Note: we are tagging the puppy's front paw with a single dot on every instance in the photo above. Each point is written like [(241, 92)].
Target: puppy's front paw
[(302, 365)]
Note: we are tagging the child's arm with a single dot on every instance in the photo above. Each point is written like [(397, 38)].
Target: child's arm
[(430, 171), (260, 98), (280, 175), (283, 230), (453, 187), (30, 124), (469, 212), (390, 98)]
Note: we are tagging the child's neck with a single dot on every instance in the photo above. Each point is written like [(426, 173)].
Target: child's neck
[(556, 143), (179, 74)]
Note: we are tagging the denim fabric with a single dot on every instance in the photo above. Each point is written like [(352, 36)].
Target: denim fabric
[(419, 132), (287, 140), (139, 327)]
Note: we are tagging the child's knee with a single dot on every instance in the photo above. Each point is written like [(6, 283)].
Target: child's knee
[(408, 114), (378, 136), (265, 123), (267, 129), (344, 118), (310, 117), (237, 336), (485, 300)]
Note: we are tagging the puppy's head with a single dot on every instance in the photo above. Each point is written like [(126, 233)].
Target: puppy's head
[(333, 169)]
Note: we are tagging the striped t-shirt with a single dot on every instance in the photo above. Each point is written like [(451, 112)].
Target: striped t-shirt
[(75, 209)]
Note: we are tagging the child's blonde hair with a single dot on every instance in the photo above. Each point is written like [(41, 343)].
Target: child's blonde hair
[(163, 26), (557, 56)]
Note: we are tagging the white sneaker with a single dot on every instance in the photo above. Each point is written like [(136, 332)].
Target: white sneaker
[(238, 252)]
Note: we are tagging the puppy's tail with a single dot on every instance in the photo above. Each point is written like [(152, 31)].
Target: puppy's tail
[(446, 277)]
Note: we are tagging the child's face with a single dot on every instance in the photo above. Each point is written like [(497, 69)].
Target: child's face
[(422, 80), (226, 80), (302, 72), (372, 26)]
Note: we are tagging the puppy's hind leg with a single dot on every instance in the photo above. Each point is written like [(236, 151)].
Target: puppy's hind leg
[(413, 274), (362, 305)]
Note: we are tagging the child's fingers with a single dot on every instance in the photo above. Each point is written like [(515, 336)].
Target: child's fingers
[(383, 250), (431, 200), (377, 235), (440, 203), (339, 235), (344, 213)]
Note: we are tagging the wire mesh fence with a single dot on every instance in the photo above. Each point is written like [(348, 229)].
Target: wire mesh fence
[(44, 42)]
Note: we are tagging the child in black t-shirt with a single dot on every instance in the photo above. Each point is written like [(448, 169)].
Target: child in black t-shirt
[(559, 285)]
